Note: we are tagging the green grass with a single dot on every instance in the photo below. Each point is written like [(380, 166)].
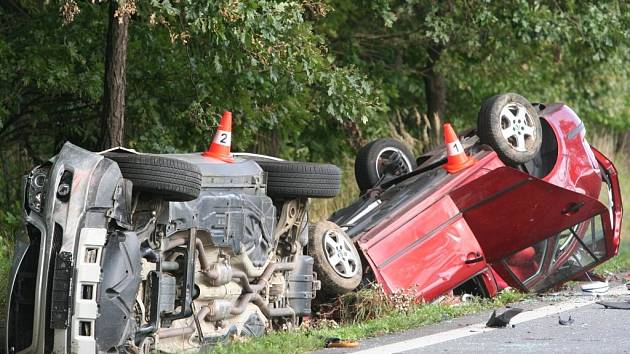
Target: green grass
[(303, 340), (620, 263)]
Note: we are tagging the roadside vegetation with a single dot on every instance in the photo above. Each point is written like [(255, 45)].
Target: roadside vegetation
[(366, 313)]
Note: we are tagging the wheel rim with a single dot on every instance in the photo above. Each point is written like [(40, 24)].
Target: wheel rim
[(340, 255), (384, 156), (517, 127)]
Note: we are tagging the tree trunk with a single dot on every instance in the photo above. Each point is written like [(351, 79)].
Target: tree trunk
[(353, 131), (267, 142), (113, 118), (435, 89)]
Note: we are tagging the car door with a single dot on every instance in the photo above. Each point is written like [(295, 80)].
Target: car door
[(428, 250), (534, 234)]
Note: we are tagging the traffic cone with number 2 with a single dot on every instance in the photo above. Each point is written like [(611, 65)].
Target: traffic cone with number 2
[(220, 146), (457, 158)]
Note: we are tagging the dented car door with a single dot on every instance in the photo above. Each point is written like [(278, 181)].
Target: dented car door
[(427, 248), (534, 234)]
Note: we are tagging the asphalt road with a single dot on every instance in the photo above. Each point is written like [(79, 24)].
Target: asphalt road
[(594, 330)]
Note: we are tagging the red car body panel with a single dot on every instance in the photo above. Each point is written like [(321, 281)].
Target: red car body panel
[(617, 206), (433, 270), (576, 167), (517, 223), (466, 224)]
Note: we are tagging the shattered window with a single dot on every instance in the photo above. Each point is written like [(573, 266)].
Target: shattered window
[(564, 241), (570, 252), (594, 237), (606, 196), (576, 249), (528, 262)]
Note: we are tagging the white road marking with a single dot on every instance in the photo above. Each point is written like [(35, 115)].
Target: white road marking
[(477, 328)]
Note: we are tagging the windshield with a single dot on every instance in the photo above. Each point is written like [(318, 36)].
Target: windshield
[(561, 257)]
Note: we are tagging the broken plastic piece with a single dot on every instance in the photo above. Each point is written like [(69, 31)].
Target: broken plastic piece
[(503, 319), (624, 305), (468, 297), (566, 322), (596, 287), (340, 343)]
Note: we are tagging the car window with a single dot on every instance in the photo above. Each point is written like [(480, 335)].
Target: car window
[(398, 197), (574, 249), (564, 242), (527, 263), (606, 197)]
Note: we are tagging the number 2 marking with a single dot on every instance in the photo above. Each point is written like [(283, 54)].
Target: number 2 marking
[(223, 139)]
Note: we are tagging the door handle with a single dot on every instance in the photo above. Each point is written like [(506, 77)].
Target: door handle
[(476, 257), (572, 208)]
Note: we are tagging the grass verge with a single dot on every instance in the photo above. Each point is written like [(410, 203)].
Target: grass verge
[(303, 339)]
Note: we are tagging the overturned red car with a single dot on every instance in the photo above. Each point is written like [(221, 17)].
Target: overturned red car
[(537, 206)]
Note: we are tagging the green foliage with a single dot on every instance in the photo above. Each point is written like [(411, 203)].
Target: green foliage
[(294, 72), (563, 50), (259, 59), (297, 68), (187, 62)]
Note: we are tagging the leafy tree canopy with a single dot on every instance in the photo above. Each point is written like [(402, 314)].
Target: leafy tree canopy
[(570, 51), (188, 61)]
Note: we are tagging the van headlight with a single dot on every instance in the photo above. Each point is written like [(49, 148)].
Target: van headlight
[(36, 188)]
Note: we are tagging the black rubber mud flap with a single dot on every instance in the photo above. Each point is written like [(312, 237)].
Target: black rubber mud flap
[(117, 292)]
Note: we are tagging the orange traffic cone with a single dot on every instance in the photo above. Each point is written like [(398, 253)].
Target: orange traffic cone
[(220, 146), (457, 159)]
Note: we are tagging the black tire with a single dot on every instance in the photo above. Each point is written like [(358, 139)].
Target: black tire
[(169, 179), (491, 121), (333, 284), (365, 164), (288, 179)]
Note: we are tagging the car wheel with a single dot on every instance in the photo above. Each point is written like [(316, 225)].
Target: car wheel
[(287, 179), (166, 178), (337, 262), (510, 125), (378, 157)]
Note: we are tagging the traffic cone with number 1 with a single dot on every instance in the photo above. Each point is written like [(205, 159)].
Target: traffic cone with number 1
[(220, 146), (457, 158)]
